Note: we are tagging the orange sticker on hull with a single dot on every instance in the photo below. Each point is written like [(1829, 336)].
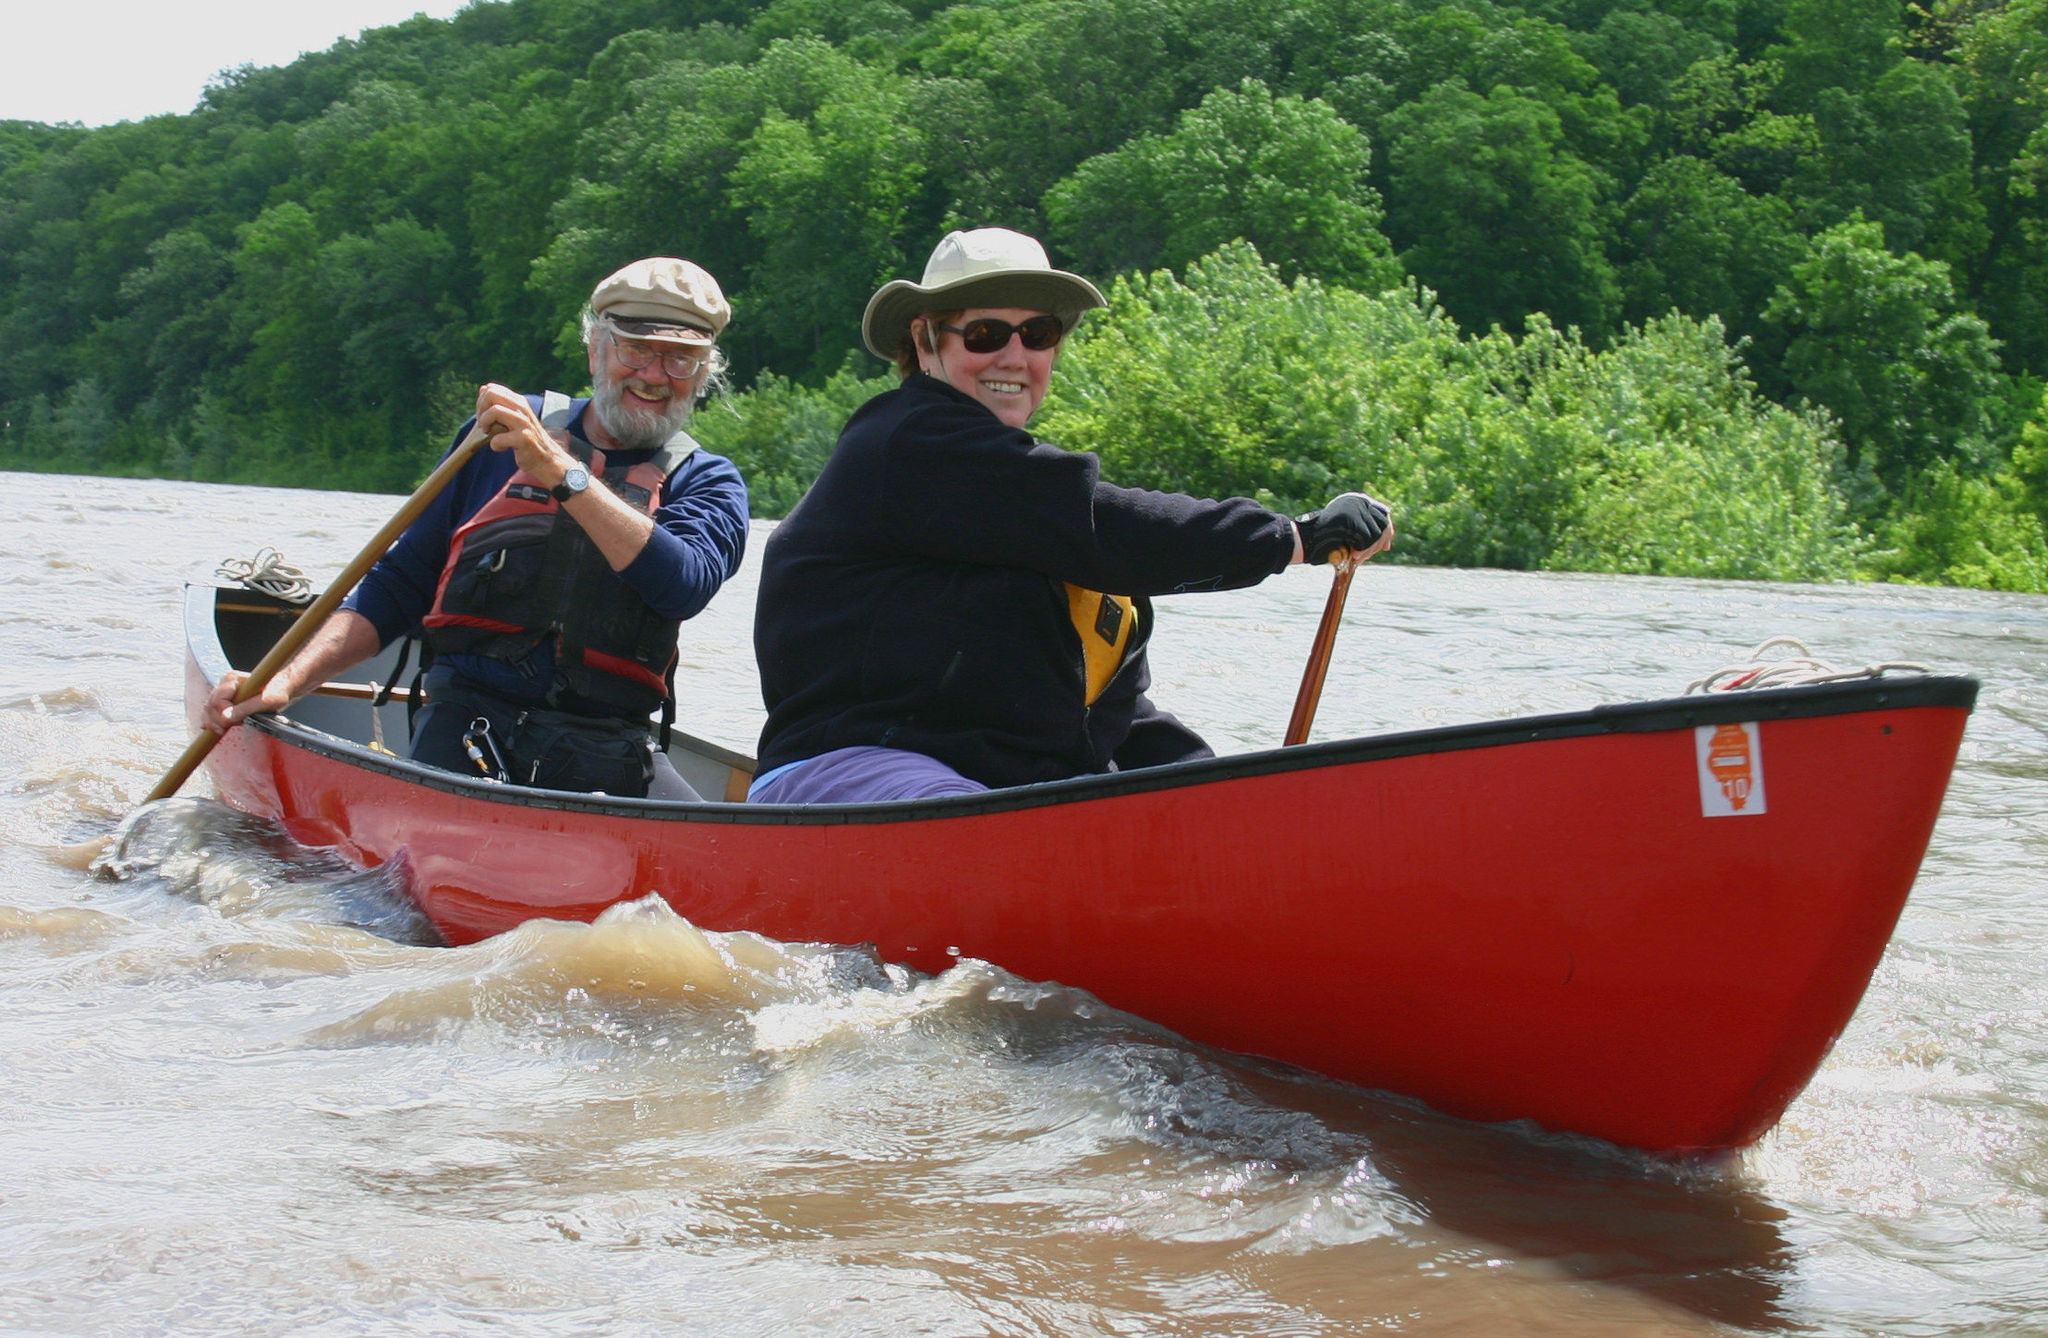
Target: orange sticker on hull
[(1731, 767)]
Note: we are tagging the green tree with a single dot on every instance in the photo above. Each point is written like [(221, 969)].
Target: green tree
[(1285, 174), (1344, 52), (1061, 81), (2003, 65), (281, 312), (1719, 110), (825, 180), (384, 289), (1495, 213), (1698, 243), (1643, 53), (85, 424), (791, 179), (648, 178), (174, 317), (1844, 44), (1900, 154), (1881, 343), (1488, 47)]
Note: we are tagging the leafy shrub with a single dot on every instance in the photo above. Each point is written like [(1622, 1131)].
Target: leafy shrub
[(1694, 474), (1957, 528), (780, 433), (1525, 452)]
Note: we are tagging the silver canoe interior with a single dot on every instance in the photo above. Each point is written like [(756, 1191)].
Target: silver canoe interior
[(232, 628)]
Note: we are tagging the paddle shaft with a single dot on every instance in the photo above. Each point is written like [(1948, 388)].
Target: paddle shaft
[(317, 613), (1319, 655)]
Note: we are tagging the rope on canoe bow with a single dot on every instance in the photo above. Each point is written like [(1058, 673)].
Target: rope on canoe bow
[(268, 572), (1793, 666)]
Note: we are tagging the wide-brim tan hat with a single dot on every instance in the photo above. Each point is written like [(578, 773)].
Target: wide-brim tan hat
[(663, 299), (985, 267)]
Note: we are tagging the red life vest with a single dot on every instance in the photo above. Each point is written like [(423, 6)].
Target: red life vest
[(521, 571)]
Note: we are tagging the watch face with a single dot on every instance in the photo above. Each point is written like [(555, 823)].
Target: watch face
[(574, 480)]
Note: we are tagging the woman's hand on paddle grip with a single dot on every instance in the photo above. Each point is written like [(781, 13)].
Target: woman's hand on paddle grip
[(1351, 522)]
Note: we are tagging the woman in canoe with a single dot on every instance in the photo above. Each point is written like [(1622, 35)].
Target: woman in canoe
[(956, 605)]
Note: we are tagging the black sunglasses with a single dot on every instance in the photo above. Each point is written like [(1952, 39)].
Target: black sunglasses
[(987, 334)]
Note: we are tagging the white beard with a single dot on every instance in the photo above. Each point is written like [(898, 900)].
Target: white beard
[(635, 428)]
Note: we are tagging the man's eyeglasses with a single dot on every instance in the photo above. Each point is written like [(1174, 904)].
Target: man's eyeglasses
[(987, 334), (636, 353)]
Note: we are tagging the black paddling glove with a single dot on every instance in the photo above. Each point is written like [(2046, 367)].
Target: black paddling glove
[(1351, 520)]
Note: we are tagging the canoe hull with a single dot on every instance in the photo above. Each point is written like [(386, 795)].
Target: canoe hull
[(1558, 919)]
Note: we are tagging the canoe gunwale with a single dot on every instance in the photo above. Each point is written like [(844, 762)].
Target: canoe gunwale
[(1878, 692), (1958, 692)]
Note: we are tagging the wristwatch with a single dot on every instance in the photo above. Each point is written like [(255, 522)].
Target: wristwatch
[(574, 481)]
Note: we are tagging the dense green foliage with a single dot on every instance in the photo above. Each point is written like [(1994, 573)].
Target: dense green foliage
[(1755, 288), (1651, 456)]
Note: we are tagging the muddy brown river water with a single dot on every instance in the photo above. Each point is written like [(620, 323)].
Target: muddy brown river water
[(238, 1101)]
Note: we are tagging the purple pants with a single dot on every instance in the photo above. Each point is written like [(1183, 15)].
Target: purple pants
[(858, 776)]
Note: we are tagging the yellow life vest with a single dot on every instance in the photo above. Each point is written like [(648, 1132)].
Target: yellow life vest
[(1105, 623)]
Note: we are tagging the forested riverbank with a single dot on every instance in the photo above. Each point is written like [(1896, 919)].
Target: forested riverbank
[(1747, 288)]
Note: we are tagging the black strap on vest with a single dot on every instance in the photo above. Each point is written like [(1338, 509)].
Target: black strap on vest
[(415, 696), (668, 708), (397, 672)]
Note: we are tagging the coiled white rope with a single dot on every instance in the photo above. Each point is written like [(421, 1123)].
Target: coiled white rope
[(1793, 666), (269, 573)]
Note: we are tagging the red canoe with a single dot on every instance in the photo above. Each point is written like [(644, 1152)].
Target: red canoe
[(1644, 922)]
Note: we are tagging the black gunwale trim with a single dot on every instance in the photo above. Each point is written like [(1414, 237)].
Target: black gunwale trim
[(1883, 693)]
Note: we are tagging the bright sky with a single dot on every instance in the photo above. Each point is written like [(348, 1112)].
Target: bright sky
[(122, 60)]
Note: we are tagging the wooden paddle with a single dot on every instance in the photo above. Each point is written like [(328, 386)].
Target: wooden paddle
[(317, 613), (1311, 692)]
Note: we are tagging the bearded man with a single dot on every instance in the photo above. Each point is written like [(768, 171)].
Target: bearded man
[(551, 577)]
